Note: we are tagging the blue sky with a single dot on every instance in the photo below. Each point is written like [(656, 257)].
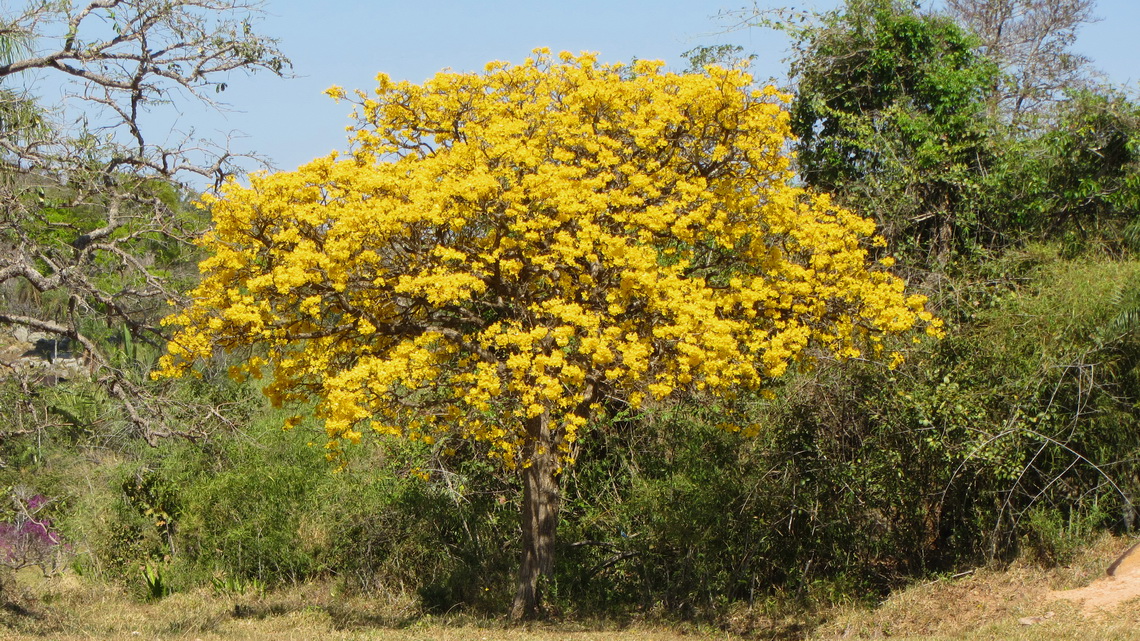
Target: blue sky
[(347, 42)]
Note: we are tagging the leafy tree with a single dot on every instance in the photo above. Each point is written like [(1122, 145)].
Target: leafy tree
[(506, 255), (91, 203), (890, 117)]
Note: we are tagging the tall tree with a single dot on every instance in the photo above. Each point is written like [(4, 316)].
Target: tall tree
[(889, 113), (1031, 41), (91, 206), (506, 254)]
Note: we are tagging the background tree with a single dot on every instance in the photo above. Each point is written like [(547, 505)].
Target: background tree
[(1031, 41), (889, 114), (908, 115), (506, 255), (91, 205)]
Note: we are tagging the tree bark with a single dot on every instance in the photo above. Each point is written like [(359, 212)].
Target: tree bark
[(539, 516)]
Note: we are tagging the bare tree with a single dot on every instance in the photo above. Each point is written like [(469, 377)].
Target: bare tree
[(93, 206), (1031, 40)]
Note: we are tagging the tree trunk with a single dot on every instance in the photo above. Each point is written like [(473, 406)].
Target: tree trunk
[(539, 516)]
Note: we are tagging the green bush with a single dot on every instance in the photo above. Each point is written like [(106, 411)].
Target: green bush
[(263, 507), (1014, 435)]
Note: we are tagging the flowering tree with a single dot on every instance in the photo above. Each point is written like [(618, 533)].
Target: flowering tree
[(504, 251)]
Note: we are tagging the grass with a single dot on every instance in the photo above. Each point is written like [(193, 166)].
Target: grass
[(69, 609), (989, 603)]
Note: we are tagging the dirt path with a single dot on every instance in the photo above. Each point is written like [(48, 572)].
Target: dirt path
[(1120, 584)]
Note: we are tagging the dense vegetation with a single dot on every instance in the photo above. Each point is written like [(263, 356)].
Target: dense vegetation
[(1016, 435)]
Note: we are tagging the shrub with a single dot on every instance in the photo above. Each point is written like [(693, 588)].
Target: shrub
[(27, 536)]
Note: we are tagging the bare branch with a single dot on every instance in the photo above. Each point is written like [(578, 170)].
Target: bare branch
[(96, 219), (1031, 40)]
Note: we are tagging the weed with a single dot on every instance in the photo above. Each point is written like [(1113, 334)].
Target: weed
[(155, 581)]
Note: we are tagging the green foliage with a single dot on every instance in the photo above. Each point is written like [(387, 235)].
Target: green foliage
[(155, 582), (1048, 420), (234, 586), (1088, 170), (156, 499), (21, 119), (1014, 435), (243, 504), (724, 55), (1053, 538), (450, 539), (679, 514), (892, 117), (251, 511), (890, 112)]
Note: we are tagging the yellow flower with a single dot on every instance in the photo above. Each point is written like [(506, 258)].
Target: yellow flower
[(500, 244)]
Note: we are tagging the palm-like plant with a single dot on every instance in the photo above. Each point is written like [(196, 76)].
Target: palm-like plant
[(21, 118)]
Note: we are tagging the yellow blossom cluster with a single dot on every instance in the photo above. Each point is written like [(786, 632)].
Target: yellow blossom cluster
[(502, 250)]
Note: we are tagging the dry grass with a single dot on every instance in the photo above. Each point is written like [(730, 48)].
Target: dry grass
[(68, 609), (987, 604), (1007, 604)]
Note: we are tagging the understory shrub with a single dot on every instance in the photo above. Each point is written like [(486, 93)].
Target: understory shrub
[(1015, 435)]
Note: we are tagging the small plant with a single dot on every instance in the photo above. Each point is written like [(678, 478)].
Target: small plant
[(157, 585), (1053, 538), (235, 586)]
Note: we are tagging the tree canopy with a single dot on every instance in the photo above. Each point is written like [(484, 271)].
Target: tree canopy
[(890, 112), (505, 254)]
